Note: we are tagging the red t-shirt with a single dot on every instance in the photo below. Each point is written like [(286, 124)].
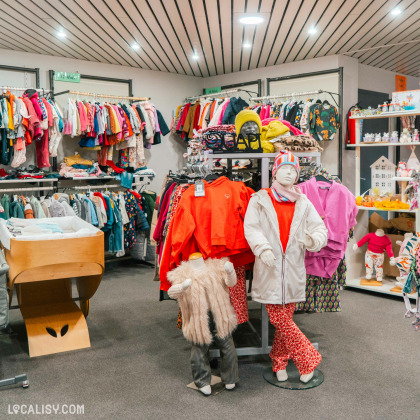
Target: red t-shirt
[(285, 212)]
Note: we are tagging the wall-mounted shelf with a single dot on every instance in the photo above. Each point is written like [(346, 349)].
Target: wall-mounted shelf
[(387, 285), (383, 144), (387, 115), (402, 178), (387, 210)]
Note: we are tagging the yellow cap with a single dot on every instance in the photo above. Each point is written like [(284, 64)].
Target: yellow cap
[(245, 116)]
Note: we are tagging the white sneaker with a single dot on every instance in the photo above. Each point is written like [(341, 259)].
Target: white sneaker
[(282, 375), (229, 387), (206, 390), (368, 276), (306, 378)]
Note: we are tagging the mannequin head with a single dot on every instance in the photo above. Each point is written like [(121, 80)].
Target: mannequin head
[(247, 123), (286, 168), (286, 175), (250, 128)]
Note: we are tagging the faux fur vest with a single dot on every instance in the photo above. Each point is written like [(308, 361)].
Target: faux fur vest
[(208, 292)]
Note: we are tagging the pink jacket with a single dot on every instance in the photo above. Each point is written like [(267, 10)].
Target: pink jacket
[(83, 117), (223, 112), (34, 125), (336, 206)]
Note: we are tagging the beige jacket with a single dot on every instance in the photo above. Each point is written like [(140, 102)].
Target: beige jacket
[(286, 281), (208, 292)]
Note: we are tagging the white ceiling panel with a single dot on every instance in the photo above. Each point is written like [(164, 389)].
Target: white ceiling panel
[(171, 32)]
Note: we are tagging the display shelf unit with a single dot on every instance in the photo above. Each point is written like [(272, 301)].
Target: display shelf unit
[(402, 178), (265, 183), (383, 144), (387, 285), (355, 283), (387, 115)]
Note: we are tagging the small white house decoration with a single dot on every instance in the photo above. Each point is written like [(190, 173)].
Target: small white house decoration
[(382, 172)]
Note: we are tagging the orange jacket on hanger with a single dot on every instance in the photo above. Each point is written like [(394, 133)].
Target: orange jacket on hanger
[(211, 225)]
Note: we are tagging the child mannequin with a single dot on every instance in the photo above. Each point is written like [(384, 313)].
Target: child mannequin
[(280, 225), (201, 288), (378, 242)]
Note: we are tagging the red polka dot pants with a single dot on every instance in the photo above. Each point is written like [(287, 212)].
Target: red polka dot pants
[(290, 342)]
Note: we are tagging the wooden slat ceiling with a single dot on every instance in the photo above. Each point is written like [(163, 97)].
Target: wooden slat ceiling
[(170, 32)]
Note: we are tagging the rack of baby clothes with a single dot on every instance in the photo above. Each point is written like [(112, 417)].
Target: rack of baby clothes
[(326, 270), (205, 111), (124, 216), (107, 123), (312, 116), (32, 118)]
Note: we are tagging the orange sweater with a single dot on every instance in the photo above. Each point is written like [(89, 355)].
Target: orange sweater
[(212, 225)]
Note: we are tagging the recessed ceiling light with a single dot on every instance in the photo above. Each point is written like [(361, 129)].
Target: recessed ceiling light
[(135, 46), (61, 34), (251, 20), (395, 12), (246, 45), (312, 31), (195, 56)]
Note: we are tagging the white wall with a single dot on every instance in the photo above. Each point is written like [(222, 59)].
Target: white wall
[(167, 91), (379, 80)]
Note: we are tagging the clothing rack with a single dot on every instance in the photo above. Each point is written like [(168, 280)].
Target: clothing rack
[(221, 93), (100, 95), (4, 190), (292, 95), (23, 89)]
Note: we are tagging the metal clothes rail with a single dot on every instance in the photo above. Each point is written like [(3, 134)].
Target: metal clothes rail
[(292, 95), (100, 95), (221, 93), (23, 89)]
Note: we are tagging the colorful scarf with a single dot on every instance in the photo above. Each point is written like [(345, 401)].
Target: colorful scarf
[(282, 194)]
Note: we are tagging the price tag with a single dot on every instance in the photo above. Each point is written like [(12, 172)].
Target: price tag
[(199, 188)]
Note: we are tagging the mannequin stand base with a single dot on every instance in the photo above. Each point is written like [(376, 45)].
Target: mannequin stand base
[(372, 282), (293, 382), (396, 289), (217, 386)]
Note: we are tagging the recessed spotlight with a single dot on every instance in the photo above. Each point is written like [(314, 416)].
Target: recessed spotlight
[(251, 20), (135, 46), (395, 12), (246, 45), (195, 56), (61, 34), (312, 31)]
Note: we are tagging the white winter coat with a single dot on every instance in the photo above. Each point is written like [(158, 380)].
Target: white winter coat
[(286, 281)]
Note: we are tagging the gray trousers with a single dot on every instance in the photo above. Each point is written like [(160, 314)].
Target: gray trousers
[(200, 363), (4, 302)]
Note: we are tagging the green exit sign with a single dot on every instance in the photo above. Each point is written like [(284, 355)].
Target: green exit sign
[(213, 90), (63, 76)]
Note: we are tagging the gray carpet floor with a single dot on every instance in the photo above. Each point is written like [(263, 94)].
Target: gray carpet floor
[(138, 365)]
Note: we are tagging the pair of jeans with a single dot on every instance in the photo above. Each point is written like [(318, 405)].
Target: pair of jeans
[(200, 363)]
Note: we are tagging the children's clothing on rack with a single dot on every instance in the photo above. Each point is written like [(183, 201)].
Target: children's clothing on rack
[(314, 117), (128, 129), (26, 120), (122, 216), (205, 113)]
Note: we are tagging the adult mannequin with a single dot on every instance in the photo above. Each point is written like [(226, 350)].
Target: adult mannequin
[(201, 288), (280, 225)]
